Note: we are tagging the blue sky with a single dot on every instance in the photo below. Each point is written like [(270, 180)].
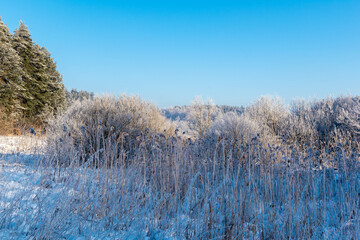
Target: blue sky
[(171, 51)]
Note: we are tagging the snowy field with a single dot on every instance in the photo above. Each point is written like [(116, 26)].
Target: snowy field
[(29, 197), (18, 183), (197, 201), (34, 204)]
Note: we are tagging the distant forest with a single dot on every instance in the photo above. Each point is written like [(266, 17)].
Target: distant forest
[(31, 88)]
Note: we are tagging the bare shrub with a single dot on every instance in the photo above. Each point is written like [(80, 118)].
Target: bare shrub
[(300, 127), (235, 126), (347, 121), (89, 126), (335, 121), (270, 114), (202, 115)]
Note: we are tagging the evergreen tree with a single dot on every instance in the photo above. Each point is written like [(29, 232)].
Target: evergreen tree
[(42, 81), (11, 85), (55, 86), (23, 44), (31, 88)]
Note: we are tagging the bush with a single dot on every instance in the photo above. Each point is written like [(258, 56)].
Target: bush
[(266, 119), (201, 116), (337, 121), (235, 127), (270, 115), (325, 123), (299, 127), (90, 126)]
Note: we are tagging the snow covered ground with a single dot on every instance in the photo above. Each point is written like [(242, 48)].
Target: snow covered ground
[(19, 184), (18, 144), (28, 196), (33, 204), (16, 181), (39, 202)]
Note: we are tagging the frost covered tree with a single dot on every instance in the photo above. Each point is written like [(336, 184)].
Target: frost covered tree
[(300, 127), (11, 84), (270, 114), (91, 125), (324, 123), (31, 88), (347, 117), (336, 121), (53, 91), (235, 126), (42, 81), (202, 115)]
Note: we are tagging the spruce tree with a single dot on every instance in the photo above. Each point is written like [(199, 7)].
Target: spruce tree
[(23, 44), (31, 88), (55, 83), (12, 90), (42, 81), (52, 91)]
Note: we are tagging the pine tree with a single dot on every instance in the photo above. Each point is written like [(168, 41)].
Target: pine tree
[(42, 81), (50, 83), (55, 83), (23, 44), (11, 85)]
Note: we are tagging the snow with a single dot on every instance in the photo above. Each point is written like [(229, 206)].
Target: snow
[(30, 199), (38, 202), (19, 144)]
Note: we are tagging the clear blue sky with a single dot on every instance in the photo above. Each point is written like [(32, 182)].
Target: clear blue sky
[(171, 51)]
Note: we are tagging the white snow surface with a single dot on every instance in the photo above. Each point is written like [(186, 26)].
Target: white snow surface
[(27, 193), (33, 204)]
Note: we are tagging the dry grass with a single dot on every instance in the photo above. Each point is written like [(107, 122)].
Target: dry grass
[(207, 189), (159, 186)]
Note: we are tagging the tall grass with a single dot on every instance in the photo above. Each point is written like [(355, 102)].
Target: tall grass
[(172, 187)]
